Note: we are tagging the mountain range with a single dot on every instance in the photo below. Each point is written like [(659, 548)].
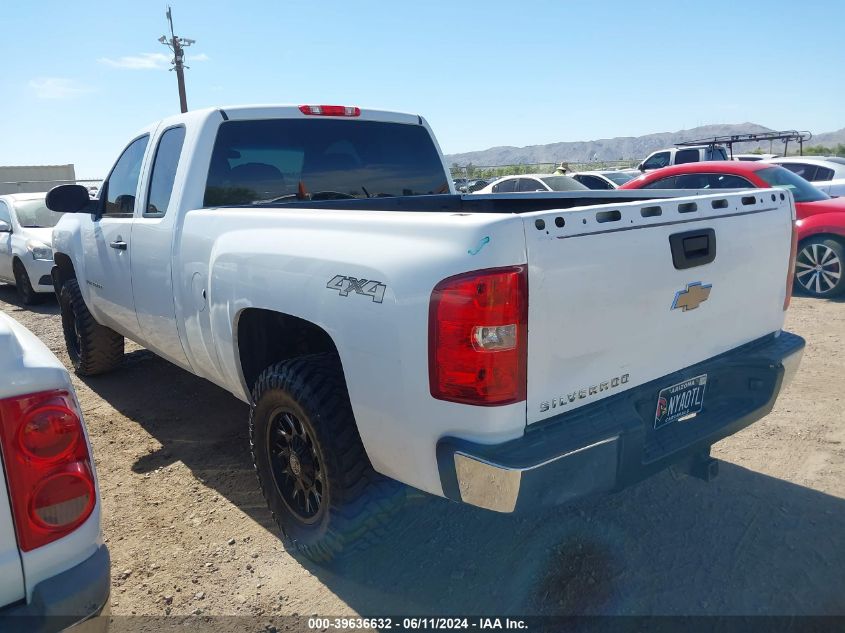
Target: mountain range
[(628, 147)]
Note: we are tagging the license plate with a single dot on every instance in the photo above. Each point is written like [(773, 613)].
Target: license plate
[(680, 402)]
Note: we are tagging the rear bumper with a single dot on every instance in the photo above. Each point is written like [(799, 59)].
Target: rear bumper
[(72, 598), (612, 444)]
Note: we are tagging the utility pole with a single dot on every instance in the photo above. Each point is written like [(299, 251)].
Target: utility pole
[(177, 46)]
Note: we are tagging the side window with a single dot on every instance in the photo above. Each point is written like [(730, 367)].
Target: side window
[(506, 186), (823, 173), (164, 171), (530, 184), (728, 181), (684, 156), (4, 213), (807, 172), (716, 153), (123, 180), (594, 182), (693, 181), (661, 159), (663, 183)]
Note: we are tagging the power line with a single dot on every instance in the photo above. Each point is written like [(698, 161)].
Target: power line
[(176, 45)]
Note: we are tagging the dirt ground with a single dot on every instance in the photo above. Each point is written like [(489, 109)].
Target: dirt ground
[(189, 532)]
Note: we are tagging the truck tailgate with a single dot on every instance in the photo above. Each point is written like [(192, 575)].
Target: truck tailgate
[(613, 304)]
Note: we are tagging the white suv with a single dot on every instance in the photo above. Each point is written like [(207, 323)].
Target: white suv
[(26, 252), (682, 155), (54, 567)]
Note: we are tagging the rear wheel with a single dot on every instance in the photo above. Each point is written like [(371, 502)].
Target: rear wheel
[(23, 285), (93, 348), (818, 267), (311, 465)]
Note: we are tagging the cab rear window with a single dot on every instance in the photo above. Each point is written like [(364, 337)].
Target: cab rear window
[(288, 160)]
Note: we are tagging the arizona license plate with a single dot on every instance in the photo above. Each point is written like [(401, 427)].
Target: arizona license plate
[(680, 402)]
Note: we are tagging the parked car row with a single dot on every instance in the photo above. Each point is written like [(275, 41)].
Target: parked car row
[(815, 183), (532, 183), (610, 179), (821, 219)]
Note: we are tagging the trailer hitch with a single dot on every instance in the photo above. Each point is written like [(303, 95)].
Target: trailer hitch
[(700, 465)]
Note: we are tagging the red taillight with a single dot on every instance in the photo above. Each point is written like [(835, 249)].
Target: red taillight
[(330, 110), (48, 467), (49, 433), (478, 337), (790, 271)]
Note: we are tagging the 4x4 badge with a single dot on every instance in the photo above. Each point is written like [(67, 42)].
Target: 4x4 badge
[(692, 296), (344, 285)]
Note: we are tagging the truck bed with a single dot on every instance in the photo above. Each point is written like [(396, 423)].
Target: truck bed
[(478, 203)]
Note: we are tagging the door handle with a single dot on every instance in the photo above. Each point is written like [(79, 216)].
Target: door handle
[(119, 245)]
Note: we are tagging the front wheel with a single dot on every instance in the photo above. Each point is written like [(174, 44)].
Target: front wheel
[(26, 293), (93, 348), (818, 267), (311, 464)]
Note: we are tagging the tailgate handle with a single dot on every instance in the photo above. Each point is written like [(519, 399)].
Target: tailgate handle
[(693, 248)]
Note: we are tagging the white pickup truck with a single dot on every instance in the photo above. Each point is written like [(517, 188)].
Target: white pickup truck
[(504, 351)]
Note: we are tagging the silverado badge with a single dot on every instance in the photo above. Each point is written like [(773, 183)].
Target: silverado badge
[(692, 296)]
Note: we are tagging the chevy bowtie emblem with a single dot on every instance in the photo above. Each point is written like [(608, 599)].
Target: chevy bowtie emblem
[(692, 296)]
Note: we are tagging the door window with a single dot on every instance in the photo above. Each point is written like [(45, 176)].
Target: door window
[(164, 171), (592, 182), (4, 214), (506, 186), (727, 181), (661, 159), (663, 183), (122, 183), (684, 156), (716, 153), (807, 172), (823, 173), (693, 181), (530, 184)]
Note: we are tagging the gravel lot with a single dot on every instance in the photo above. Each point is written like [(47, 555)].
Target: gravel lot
[(189, 532)]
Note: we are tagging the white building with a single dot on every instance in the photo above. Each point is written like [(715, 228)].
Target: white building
[(34, 178)]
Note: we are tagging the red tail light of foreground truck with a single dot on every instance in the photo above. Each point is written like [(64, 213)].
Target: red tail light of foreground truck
[(48, 466), (478, 337)]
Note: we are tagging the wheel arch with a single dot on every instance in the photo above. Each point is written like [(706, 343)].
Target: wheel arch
[(263, 337), (62, 271), (823, 234)]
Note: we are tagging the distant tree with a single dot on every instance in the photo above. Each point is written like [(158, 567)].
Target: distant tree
[(818, 150)]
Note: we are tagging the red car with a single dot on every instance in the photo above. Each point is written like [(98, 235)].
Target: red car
[(821, 219)]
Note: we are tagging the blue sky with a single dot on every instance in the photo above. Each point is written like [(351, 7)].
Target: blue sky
[(78, 78)]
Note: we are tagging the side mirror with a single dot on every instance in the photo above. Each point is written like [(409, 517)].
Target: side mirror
[(70, 199), (641, 166), (5, 227)]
